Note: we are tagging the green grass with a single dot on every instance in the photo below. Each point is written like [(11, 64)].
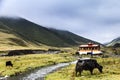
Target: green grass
[(111, 71), (28, 62), (11, 42)]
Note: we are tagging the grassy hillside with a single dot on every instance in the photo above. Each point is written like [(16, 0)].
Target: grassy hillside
[(30, 31), (10, 39), (25, 33), (113, 42), (70, 37)]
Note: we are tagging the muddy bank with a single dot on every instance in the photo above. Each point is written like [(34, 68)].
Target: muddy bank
[(30, 51)]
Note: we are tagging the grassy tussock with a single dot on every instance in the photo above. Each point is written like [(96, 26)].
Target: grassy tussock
[(29, 62), (111, 71)]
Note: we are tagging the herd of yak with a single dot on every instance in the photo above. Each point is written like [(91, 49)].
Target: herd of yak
[(82, 63)]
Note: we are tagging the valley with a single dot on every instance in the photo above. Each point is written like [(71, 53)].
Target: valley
[(24, 36)]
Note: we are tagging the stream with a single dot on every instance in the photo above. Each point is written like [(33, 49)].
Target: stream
[(38, 74)]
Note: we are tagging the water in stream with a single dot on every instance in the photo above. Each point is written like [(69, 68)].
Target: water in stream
[(38, 74)]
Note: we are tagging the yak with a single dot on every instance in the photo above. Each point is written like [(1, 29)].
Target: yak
[(87, 64), (9, 63)]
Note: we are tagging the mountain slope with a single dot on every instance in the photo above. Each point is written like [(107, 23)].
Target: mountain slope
[(31, 33), (9, 39), (70, 37), (113, 42)]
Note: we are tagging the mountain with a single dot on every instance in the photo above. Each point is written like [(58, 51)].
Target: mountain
[(70, 37), (21, 32), (114, 42)]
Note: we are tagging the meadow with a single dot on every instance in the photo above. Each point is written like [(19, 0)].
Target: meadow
[(111, 71), (24, 63)]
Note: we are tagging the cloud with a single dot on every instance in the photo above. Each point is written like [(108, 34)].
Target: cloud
[(1, 3), (94, 19)]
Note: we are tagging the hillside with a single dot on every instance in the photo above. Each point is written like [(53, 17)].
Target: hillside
[(114, 42), (21, 32), (70, 37), (9, 39)]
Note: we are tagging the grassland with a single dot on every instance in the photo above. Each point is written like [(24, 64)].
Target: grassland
[(111, 71), (9, 41), (29, 62)]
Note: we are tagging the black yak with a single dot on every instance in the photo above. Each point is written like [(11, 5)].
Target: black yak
[(9, 63), (87, 64)]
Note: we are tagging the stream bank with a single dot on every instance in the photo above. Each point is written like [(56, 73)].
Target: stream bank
[(38, 74)]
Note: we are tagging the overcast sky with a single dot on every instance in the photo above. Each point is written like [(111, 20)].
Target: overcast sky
[(98, 20)]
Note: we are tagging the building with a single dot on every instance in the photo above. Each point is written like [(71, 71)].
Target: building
[(90, 48)]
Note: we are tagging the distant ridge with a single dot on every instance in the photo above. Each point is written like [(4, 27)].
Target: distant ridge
[(114, 41), (21, 32)]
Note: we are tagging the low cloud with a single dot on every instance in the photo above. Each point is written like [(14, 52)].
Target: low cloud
[(1, 3), (94, 19)]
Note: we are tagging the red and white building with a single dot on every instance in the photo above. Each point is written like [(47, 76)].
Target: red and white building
[(89, 48)]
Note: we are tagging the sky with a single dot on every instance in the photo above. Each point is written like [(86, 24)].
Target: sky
[(98, 20)]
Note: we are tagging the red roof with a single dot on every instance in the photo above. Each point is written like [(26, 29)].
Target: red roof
[(89, 45)]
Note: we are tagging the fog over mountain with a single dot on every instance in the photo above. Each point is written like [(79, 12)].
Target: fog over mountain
[(98, 20)]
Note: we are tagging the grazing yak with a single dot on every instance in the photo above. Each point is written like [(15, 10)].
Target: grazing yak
[(9, 63), (87, 64)]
